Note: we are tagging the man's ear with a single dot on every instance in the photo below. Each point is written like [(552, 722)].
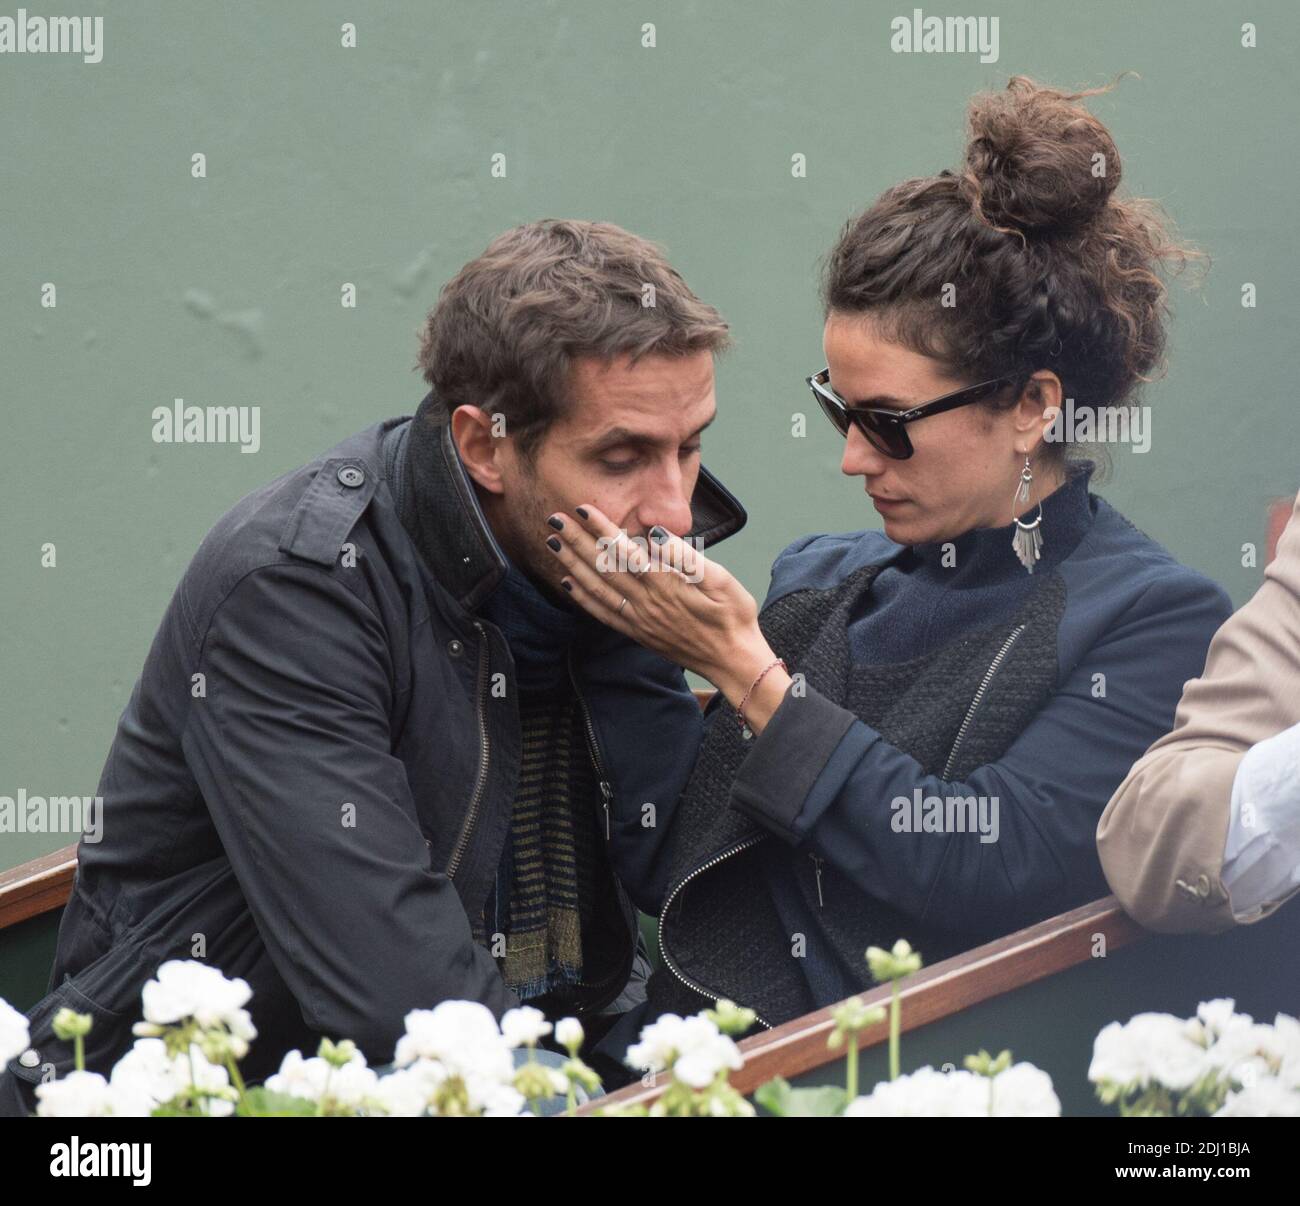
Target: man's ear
[(481, 451)]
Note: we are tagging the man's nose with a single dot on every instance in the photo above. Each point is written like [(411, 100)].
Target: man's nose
[(666, 502), (861, 457)]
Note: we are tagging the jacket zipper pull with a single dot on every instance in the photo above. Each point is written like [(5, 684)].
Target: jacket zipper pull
[(606, 796), (821, 904)]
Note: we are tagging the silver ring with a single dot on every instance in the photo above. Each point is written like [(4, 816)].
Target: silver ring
[(622, 605)]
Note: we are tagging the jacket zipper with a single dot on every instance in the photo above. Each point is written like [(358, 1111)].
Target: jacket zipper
[(979, 695), (606, 792), (817, 864), (485, 752), (663, 916), (619, 976)]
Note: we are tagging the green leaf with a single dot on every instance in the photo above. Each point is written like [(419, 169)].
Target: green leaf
[(267, 1104), (783, 1100)]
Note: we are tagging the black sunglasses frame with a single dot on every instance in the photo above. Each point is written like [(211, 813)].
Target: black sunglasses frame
[(892, 424)]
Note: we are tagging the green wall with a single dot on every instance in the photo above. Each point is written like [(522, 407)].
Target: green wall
[(372, 165)]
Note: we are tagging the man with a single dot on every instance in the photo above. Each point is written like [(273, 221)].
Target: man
[(1204, 833), (375, 759)]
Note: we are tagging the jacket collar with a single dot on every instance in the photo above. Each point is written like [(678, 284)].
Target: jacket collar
[(440, 509)]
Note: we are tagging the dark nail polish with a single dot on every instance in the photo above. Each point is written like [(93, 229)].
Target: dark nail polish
[(582, 512), (564, 582), (658, 534), (553, 542), (556, 522)]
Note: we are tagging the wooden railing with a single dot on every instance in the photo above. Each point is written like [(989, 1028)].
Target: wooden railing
[(38, 886), (933, 993)]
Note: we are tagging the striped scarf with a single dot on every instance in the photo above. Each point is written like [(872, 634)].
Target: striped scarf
[(548, 875)]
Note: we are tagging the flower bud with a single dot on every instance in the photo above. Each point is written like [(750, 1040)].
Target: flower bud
[(68, 1024)]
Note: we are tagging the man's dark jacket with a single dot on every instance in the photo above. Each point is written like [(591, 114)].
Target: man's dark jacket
[(312, 782)]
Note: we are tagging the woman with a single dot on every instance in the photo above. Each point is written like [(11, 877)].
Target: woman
[(918, 734)]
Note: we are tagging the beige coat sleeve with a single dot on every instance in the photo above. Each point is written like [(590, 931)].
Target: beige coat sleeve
[(1162, 835)]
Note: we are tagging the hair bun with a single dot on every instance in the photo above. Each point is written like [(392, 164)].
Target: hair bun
[(1036, 162)]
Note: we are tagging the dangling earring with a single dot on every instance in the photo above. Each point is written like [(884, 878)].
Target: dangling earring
[(1027, 540)]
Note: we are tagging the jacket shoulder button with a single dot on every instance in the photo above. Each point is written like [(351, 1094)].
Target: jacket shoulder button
[(455, 648), (351, 476), (30, 1058)]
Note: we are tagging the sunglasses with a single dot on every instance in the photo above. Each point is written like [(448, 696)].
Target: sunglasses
[(886, 429)]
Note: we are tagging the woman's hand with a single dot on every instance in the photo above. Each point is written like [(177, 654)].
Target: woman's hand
[(679, 603)]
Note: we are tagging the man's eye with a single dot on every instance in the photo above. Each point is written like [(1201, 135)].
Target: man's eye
[(625, 466)]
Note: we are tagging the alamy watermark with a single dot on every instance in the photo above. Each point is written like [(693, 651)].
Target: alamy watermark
[(616, 556), (1099, 425), (100, 1158), (53, 814), (919, 34), (53, 35), (181, 424), (919, 813)]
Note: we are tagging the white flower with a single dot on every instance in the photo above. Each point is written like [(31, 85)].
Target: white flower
[(315, 1078), (147, 1076), (1247, 1051), (1217, 1015), (698, 1069), (1024, 1091), (14, 1035), (524, 1027), (569, 1033), (399, 1095), (657, 1044), (148, 1073), (242, 1031), (926, 1093), (496, 1100), (1267, 1098), (1151, 1047), (299, 1077), (463, 1039), (1287, 1043), (185, 988), (704, 1052), (692, 1047), (406, 1093), (699, 1065), (77, 1095), (459, 1033)]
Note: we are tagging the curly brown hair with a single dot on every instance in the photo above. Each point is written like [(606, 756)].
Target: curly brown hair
[(1052, 270), (509, 325)]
